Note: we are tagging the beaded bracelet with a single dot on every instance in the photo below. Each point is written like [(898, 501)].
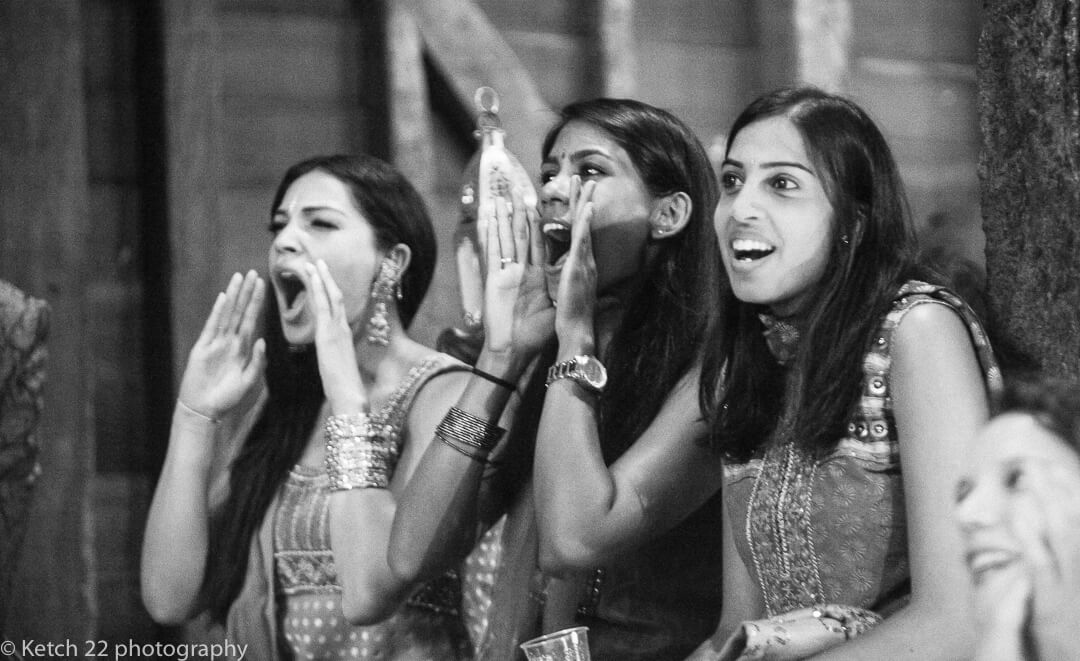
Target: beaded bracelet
[(358, 456)]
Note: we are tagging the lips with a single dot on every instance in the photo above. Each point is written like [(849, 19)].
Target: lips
[(292, 292), (750, 250), (983, 560), (556, 239)]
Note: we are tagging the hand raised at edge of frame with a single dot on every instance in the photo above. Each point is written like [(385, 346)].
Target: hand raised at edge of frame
[(225, 363), (334, 343)]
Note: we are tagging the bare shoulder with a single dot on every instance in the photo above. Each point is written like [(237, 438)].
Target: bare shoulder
[(930, 330)]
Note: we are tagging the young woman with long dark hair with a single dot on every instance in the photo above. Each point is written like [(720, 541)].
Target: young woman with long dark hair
[(843, 387), (619, 273), (288, 453)]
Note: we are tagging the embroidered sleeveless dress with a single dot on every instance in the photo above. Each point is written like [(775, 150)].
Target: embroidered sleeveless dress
[(833, 530), (308, 595)]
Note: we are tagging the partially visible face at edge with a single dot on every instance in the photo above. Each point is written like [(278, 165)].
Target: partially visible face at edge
[(1012, 453), (318, 219)]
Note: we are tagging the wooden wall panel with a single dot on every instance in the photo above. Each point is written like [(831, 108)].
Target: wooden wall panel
[(43, 251), (922, 30), (194, 172), (703, 22), (287, 56)]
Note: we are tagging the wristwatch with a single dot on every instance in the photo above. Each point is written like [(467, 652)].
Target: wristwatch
[(586, 370)]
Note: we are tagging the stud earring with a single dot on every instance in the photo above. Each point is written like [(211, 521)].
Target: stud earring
[(844, 239), (382, 292)]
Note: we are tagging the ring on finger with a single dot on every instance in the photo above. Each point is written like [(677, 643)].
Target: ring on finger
[(506, 260)]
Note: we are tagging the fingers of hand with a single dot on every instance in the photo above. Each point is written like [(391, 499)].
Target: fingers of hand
[(491, 247), (506, 231), (333, 292), (210, 328), (254, 306), (1029, 525), (537, 253), (243, 299), (520, 226), (317, 294)]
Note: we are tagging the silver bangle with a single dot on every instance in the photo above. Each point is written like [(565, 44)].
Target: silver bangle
[(358, 456)]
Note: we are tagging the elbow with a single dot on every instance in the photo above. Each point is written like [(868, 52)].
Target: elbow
[(164, 609), (563, 556), (366, 605), (406, 566)]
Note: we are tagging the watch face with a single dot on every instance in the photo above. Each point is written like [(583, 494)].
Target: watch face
[(593, 371)]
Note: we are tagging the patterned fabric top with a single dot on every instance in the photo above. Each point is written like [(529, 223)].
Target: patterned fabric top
[(833, 530), (306, 582)]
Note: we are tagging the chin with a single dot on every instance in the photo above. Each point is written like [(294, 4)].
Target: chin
[(298, 334)]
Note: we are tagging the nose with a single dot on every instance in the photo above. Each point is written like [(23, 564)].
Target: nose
[(979, 508), (287, 239), (555, 195), (742, 204)]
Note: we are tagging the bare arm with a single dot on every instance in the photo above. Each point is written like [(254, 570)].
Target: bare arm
[(586, 510), (742, 598), (223, 371), (443, 508), (939, 400), (361, 519)]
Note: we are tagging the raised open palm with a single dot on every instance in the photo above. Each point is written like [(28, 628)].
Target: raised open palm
[(226, 361), (518, 314)]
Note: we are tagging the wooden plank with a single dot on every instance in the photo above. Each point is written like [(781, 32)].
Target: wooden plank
[(411, 146), (470, 52), (928, 30), (193, 115), (42, 251), (617, 48)]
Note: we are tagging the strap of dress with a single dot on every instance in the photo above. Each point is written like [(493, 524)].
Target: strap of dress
[(397, 406)]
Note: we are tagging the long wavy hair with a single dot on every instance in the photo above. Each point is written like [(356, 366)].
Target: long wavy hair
[(397, 214), (662, 329), (744, 393)]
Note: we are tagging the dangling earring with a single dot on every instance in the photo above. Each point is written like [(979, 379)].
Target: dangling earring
[(382, 291), (844, 239)]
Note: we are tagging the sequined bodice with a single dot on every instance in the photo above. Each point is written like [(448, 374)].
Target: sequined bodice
[(833, 530), (307, 590)]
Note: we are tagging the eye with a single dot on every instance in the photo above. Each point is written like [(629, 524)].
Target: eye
[(590, 171), (323, 224), (783, 182), (276, 225), (730, 181), (963, 489), (547, 174), (1014, 478)]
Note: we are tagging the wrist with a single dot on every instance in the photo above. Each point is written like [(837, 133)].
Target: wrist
[(508, 366)]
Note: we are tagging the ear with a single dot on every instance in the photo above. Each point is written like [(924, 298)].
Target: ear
[(670, 215), (400, 255)]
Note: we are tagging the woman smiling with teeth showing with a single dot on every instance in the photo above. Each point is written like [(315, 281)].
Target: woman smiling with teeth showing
[(843, 392)]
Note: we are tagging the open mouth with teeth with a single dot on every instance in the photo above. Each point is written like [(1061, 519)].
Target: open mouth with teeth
[(748, 250), (557, 241), (291, 287)]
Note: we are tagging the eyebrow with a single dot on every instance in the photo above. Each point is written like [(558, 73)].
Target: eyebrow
[(580, 154), (309, 210), (772, 164)]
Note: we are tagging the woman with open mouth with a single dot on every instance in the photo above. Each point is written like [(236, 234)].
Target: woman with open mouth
[(288, 453), (608, 306), (1018, 509), (843, 390)]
